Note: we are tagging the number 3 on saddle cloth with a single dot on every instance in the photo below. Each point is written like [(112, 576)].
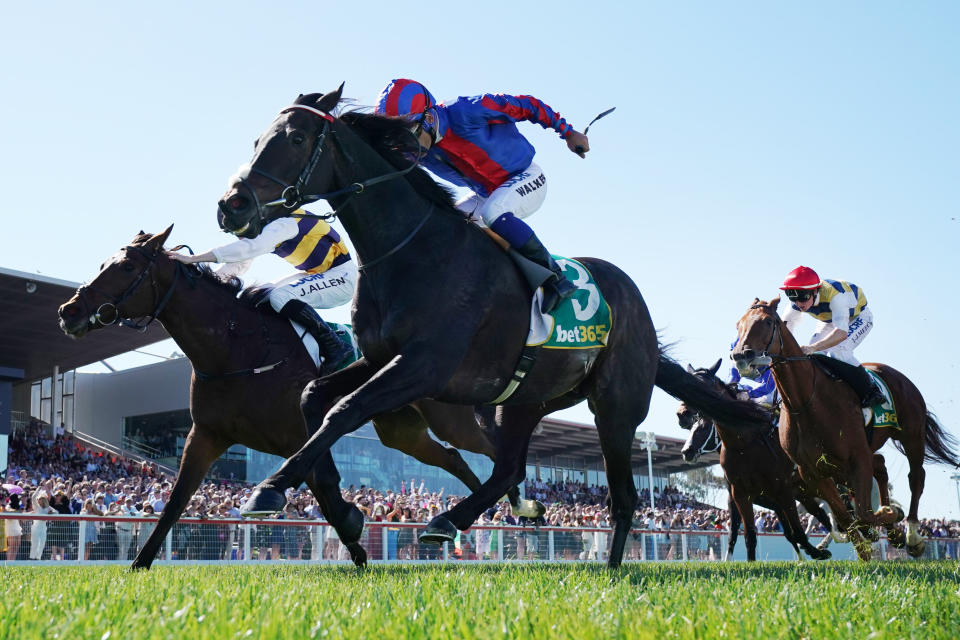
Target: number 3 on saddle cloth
[(582, 321)]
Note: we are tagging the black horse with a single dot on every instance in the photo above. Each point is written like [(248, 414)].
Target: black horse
[(442, 312), (249, 370), (758, 472)]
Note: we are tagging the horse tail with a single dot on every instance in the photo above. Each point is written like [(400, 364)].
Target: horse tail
[(703, 397), (940, 445)]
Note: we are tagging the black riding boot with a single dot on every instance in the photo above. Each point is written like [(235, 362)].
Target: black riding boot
[(857, 377), (336, 353), (555, 289)]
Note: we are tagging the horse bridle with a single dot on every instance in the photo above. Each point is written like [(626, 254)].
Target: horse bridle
[(776, 359), (114, 304), (292, 196)]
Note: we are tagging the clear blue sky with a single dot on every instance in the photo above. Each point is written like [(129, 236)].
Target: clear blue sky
[(748, 138)]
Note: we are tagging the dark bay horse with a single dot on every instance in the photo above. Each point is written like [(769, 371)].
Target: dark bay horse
[(442, 312), (757, 472), (249, 370), (822, 426)]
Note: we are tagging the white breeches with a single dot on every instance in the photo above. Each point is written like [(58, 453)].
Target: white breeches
[(859, 328), (521, 195), (326, 290)]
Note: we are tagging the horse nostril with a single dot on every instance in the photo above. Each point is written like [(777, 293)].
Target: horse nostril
[(747, 354), (237, 203)]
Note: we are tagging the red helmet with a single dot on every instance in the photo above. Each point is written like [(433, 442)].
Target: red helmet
[(801, 278)]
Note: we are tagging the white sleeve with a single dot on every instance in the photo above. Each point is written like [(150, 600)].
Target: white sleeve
[(791, 318), (234, 269), (840, 310), (247, 248)]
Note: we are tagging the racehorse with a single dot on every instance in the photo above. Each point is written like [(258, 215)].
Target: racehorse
[(822, 426), (757, 472), (249, 370), (442, 312)]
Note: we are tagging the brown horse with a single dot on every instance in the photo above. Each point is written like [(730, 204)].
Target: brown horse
[(249, 371), (822, 425), (758, 472)]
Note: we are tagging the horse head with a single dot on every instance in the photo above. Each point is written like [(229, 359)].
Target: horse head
[(126, 287), (703, 433), (760, 335), (287, 157)]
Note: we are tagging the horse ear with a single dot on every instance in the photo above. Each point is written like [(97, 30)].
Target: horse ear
[(716, 367), (158, 240), (756, 300), (691, 370), (774, 303), (329, 101)]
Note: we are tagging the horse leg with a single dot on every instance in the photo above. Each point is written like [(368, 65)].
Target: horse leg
[(828, 489), (917, 476), (812, 505), (459, 425), (342, 515), (735, 520), (518, 423), (792, 518), (199, 452), (406, 430), (745, 507), (402, 381)]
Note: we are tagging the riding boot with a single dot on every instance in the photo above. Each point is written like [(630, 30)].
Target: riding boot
[(556, 288), (857, 377), (335, 352)]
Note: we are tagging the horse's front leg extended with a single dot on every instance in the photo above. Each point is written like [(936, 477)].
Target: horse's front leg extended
[(399, 383)]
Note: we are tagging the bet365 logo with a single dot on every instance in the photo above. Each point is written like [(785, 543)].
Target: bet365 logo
[(585, 334)]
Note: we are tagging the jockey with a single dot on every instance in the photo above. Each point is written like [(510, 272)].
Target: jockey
[(325, 278), (474, 142), (841, 307), (763, 389)]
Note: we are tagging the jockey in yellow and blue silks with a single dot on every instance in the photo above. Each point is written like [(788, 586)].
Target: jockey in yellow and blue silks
[(474, 142), (326, 276), (841, 308)]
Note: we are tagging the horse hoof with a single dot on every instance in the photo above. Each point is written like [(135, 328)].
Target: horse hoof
[(263, 502), (530, 509), (822, 554), (917, 550), (358, 554), (438, 531)]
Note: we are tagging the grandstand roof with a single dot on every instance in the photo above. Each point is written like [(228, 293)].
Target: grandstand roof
[(573, 439), (30, 335)]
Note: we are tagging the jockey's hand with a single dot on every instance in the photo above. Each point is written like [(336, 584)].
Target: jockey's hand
[(578, 143), (808, 349), (181, 257)]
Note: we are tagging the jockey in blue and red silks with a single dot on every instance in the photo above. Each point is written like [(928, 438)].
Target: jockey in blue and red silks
[(473, 142)]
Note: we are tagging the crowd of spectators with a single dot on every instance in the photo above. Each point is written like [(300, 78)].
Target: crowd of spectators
[(51, 472)]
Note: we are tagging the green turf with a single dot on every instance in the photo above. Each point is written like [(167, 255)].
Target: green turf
[(734, 600)]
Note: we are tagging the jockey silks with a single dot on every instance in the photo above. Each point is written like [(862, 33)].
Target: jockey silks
[(478, 143), (849, 295), (316, 247)]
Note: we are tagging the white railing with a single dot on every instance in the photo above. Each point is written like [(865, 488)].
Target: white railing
[(55, 539)]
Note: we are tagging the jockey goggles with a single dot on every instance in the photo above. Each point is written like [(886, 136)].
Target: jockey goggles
[(798, 295)]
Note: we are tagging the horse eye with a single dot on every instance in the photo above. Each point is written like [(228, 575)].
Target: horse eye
[(128, 266), (298, 139)]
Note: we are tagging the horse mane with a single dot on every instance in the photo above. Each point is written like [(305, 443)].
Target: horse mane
[(390, 137)]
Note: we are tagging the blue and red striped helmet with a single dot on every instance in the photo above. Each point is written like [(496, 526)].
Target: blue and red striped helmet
[(404, 97)]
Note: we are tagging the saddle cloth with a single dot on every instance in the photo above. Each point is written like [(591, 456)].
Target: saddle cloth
[(582, 321), (883, 415)]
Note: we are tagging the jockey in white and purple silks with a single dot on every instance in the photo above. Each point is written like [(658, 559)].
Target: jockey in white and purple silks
[(473, 142)]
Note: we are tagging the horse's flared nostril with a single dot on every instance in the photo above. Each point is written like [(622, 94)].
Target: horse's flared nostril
[(236, 204)]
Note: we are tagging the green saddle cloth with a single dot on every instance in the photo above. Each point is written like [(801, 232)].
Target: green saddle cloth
[(582, 321), (884, 414)]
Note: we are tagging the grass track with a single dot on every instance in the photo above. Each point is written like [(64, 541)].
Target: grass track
[(581, 602)]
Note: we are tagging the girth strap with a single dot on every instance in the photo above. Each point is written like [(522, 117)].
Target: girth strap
[(527, 359)]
